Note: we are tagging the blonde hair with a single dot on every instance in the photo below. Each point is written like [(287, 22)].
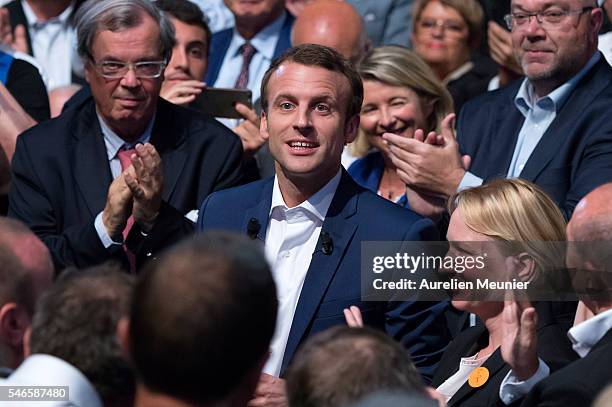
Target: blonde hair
[(398, 66), (518, 212), (470, 10)]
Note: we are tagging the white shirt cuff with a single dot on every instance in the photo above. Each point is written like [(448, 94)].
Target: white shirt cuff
[(511, 389), (103, 234), (193, 215), (469, 180)]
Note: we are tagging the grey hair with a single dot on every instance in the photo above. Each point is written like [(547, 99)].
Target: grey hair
[(117, 15)]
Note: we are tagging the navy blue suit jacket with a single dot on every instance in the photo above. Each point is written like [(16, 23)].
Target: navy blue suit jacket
[(220, 42), (333, 281), (574, 155)]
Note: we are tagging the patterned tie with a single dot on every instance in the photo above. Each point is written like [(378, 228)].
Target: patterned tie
[(125, 160), (247, 51)]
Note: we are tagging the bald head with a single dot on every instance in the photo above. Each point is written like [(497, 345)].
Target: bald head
[(592, 218), (592, 222), (333, 23)]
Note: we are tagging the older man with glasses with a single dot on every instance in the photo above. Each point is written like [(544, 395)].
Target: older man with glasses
[(553, 128), (91, 183)]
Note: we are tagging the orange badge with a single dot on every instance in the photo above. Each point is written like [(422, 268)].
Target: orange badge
[(478, 377)]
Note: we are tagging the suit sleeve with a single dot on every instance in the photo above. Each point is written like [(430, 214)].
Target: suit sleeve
[(420, 325), (593, 170), (77, 245), (232, 171)]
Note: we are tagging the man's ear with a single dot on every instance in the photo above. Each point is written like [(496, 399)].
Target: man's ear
[(27, 349), (263, 126), (521, 266), (87, 67), (351, 128), (14, 322), (123, 335)]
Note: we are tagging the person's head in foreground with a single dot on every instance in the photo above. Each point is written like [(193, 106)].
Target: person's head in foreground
[(76, 321), (25, 274), (191, 311), (341, 365)]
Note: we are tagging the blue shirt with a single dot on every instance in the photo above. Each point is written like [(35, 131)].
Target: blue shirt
[(368, 171)]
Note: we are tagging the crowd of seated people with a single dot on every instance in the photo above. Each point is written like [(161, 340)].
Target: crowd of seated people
[(154, 255)]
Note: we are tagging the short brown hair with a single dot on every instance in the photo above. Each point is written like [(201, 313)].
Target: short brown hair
[(341, 365), (323, 57), (470, 10)]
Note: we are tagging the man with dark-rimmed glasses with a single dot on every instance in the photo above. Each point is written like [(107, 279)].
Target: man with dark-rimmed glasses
[(91, 183), (552, 128)]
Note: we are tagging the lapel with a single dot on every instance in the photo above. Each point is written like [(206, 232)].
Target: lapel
[(219, 44), (341, 226), (509, 123), (560, 130), (494, 364), (284, 37), (606, 340), (168, 140), (260, 211), (91, 168)]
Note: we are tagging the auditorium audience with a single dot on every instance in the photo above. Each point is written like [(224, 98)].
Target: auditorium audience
[(511, 218), (25, 274), (446, 34), (73, 339), (341, 365), (578, 383), (46, 30), (114, 177), (551, 129), (190, 314), (401, 96), (186, 69)]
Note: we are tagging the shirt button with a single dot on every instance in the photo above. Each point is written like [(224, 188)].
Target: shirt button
[(369, 17)]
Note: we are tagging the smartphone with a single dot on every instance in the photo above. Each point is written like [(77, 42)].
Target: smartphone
[(220, 102)]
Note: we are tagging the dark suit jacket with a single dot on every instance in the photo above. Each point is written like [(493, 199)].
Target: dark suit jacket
[(573, 157), (333, 281), (61, 177), (17, 16), (553, 347), (579, 383), (220, 42)]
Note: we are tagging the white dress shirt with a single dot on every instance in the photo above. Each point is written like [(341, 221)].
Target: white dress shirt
[(47, 370), (291, 238), (583, 336), (53, 44)]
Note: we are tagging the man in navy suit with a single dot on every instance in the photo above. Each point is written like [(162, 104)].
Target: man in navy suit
[(313, 217), (553, 128)]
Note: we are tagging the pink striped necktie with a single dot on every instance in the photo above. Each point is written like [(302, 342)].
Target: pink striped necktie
[(247, 51), (126, 161)]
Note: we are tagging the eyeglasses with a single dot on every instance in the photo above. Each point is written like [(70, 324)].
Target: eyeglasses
[(118, 69), (548, 18), (452, 27)]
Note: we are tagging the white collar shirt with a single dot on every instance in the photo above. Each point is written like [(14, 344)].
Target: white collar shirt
[(291, 239), (53, 44), (586, 334), (47, 370)]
